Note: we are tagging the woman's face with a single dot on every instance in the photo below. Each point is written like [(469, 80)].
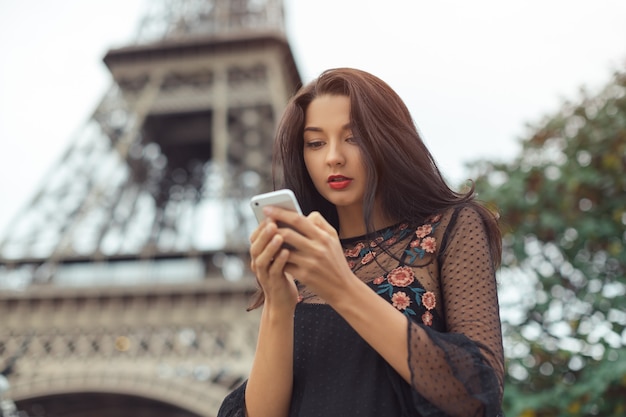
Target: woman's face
[(332, 155)]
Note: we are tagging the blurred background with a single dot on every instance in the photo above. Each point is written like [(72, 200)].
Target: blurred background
[(472, 74), (525, 97)]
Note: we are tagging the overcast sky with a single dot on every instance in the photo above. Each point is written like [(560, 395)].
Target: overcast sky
[(472, 73)]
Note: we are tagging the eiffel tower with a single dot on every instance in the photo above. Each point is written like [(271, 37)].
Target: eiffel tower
[(124, 282)]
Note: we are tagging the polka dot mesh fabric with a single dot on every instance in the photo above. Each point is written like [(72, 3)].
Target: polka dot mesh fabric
[(460, 372), (439, 274)]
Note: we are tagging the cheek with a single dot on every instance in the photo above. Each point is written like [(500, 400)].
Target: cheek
[(358, 159), (309, 163)]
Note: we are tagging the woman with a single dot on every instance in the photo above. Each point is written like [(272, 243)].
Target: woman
[(386, 303)]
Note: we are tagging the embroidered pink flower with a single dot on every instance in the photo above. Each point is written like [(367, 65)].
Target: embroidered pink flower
[(402, 276), (354, 252), (379, 280), (415, 243), (400, 300), (369, 256), (429, 244), (403, 226), (435, 218), (423, 231), (391, 240), (429, 300), (427, 318), (351, 264), (376, 241)]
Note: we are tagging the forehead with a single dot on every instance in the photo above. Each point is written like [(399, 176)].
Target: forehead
[(328, 110)]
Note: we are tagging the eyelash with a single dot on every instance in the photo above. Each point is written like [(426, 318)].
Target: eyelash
[(317, 143), (313, 144)]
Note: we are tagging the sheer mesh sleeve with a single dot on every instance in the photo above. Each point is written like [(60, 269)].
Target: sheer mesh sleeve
[(460, 372), (234, 405)]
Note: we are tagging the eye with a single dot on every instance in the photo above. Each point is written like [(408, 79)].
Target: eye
[(314, 144)]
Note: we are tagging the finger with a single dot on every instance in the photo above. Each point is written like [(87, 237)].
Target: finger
[(321, 222), (280, 260), (259, 255), (300, 230), (261, 236), (319, 230), (259, 229), (264, 260), (292, 219), (294, 239)]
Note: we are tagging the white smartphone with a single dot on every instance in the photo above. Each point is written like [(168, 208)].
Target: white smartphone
[(284, 198)]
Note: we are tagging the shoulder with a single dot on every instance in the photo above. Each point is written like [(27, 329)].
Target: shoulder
[(431, 236), (469, 224), (466, 218), (467, 215)]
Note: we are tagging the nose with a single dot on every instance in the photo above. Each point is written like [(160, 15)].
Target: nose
[(334, 155)]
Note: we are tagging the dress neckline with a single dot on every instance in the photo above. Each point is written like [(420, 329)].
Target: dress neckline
[(383, 232)]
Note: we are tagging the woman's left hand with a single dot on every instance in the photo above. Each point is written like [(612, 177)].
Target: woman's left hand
[(318, 260)]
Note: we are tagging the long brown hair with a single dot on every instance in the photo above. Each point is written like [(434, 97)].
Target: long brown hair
[(402, 173)]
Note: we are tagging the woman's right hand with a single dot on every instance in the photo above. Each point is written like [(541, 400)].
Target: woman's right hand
[(268, 259)]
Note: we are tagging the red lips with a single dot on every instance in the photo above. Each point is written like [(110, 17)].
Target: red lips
[(338, 182)]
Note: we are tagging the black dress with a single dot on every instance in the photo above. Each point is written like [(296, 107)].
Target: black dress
[(440, 275)]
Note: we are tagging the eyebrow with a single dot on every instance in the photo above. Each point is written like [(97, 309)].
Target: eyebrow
[(347, 126)]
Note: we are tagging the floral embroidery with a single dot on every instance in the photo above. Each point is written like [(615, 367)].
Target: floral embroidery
[(434, 218), (377, 241), (429, 244), (423, 231), (401, 301), (362, 253), (401, 277), (427, 318), (368, 257), (424, 241), (400, 285), (429, 300), (378, 280), (354, 252)]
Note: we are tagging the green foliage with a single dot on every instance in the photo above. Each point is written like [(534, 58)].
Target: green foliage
[(563, 209)]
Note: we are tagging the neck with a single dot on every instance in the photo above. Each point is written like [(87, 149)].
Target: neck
[(352, 223)]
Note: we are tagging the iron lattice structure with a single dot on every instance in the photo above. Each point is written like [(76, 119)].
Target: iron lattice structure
[(150, 202), (181, 140)]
